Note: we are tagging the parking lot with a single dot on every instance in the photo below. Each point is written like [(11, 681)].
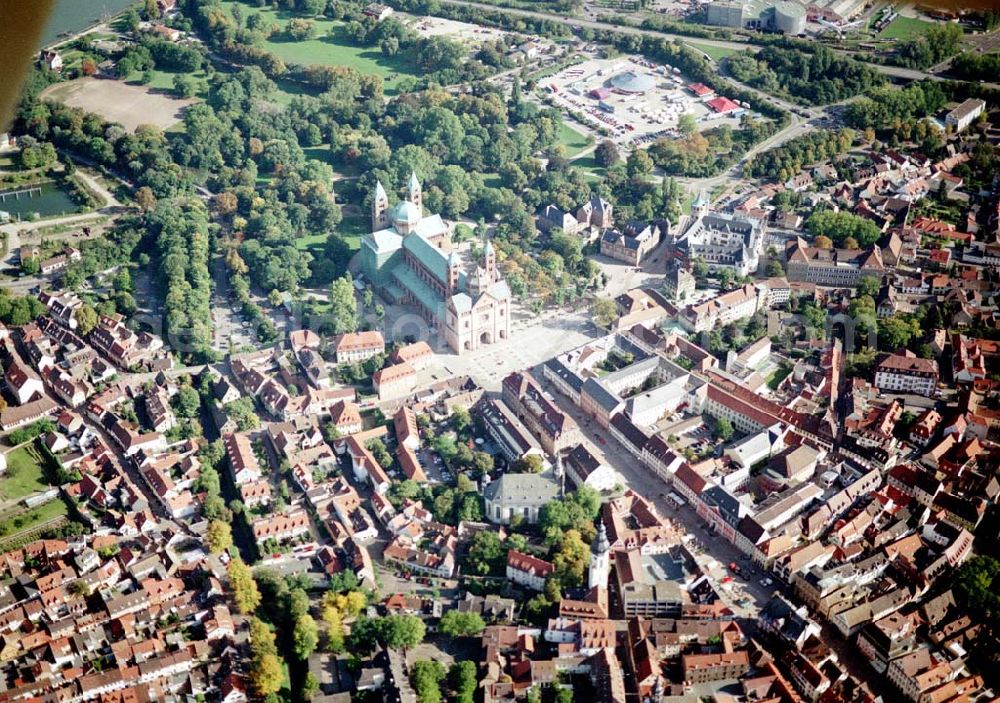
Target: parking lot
[(428, 27), (635, 100)]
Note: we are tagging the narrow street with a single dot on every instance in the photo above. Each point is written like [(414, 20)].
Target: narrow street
[(714, 553)]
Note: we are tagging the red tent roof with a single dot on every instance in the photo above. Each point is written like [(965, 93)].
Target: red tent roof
[(723, 105)]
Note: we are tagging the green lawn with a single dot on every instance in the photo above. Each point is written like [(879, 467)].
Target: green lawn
[(164, 80), (330, 46), (904, 28), (16, 523), (717, 53), (574, 142), (24, 475), (350, 229), (491, 180), (588, 164)]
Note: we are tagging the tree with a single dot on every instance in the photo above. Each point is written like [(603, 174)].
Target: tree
[(460, 419), (299, 29), (724, 429), (243, 414), (528, 464), (219, 537), (774, 268), (266, 674), (343, 305), (823, 242), (869, 285), (145, 198), (245, 593), (570, 558), (310, 686), (639, 165), (604, 312), (463, 681), (486, 554), (187, 401), (687, 124), (150, 10), (455, 623), (88, 67), (396, 631), (426, 677), (183, 86), (606, 154), (305, 636), (86, 319), (334, 632), (976, 584), (699, 267), (841, 226)]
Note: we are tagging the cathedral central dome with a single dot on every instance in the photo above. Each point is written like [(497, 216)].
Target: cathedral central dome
[(406, 213)]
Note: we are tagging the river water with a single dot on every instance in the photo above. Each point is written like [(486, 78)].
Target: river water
[(75, 15)]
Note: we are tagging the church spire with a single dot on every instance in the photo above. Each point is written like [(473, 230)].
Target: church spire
[(414, 192), (380, 208)]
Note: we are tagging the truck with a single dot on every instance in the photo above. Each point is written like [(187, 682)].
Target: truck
[(607, 107)]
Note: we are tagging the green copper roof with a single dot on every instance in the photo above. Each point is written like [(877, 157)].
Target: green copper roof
[(420, 290), (427, 254)]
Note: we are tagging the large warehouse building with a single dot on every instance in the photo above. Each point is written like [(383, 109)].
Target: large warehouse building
[(785, 16)]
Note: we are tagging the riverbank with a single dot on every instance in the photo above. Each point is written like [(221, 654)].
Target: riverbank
[(73, 18)]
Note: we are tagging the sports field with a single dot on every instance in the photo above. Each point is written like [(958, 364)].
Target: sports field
[(128, 105), (904, 28)]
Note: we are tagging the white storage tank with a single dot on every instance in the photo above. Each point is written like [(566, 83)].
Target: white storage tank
[(790, 18)]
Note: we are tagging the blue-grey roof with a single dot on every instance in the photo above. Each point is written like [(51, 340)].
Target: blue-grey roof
[(724, 500), (633, 82), (535, 488), (636, 437), (405, 211), (607, 400), (562, 371)]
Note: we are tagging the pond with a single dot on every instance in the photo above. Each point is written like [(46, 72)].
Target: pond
[(47, 199)]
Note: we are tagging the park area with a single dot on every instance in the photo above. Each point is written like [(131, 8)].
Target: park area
[(23, 479), (128, 105), (329, 46), (571, 140), (25, 474)]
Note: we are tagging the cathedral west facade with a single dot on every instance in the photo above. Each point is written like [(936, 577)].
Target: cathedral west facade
[(409, 260)]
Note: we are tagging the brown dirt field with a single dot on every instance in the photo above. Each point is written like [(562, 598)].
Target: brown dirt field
[(115, 101)]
